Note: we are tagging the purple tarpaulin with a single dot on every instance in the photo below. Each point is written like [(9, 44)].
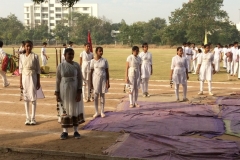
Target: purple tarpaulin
[(229, 101), (172, 148), (160, 119)]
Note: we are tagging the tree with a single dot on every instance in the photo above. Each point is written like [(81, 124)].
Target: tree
[(68, 3), (197, 17)]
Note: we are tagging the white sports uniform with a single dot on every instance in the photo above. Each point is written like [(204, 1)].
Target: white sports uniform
[(86, 71), (44, 58), (179, 66), (134, 77), (146, 70)]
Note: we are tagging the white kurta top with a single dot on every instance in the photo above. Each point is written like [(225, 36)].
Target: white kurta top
[(217, 53), (134, 71), (29, 68), (63, 57), (206, 61), (146, 68), (234, 51), (99, 76), (86, 60), (179, 66), (68, 82), (194, 52), (44, 59)]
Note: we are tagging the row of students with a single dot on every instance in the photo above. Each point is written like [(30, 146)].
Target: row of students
[(179, 71)]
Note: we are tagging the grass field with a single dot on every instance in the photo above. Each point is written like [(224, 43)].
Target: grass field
[(117, 61)]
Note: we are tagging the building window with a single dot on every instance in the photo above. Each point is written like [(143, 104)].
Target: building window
[(45, 22), (58, 16), (37, 8), (65, 8), (27, 15), (51, 11), (52, 24), (57, 1), (58, 22), (27, 9), (58, 9), (85, 8), (44, 15), (51, 18), (37, 21), (51, 5), (27, 21), (44, 9), (76, 9), (37, 14)]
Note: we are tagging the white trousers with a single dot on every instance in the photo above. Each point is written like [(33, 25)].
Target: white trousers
[(184, 90), (86, 83), (234, 68), (217, 65), (4, 77), (102, 101), (145, 85), (189, 63), (209, 86), (34, 104), (133, 96), (195, 66), (224, 61), (229, 67)]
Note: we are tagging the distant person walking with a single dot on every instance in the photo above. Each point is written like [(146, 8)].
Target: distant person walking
[(63, 50), (3, 65), (44, 55)]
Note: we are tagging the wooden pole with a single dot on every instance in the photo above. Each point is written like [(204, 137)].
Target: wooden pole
[(56, 57), (60, 55)]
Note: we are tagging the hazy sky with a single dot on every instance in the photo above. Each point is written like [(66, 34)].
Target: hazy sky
[(129, 10)]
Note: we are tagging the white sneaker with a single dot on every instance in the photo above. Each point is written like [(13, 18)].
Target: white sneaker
[(103, 115), (95, 115), (200, 93), (27, 122), (137, 105), (7, 84), (131, 106), (147, 95), (33, 122), (85, 100), (211, 94)]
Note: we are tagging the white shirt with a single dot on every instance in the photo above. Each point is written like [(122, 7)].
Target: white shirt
[(2, 55), (194, 51), (63, 57), (234, 51), (188, 51), (43, 51), (217, 53), (86, 60)]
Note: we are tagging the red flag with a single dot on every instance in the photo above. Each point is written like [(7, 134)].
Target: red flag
[(90, 41)]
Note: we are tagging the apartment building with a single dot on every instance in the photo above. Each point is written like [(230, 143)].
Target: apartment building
[(52, 12)]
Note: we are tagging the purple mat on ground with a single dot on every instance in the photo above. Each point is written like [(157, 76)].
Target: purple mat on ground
[(172, 148), (156, 120), (229, 101), (232, 113)]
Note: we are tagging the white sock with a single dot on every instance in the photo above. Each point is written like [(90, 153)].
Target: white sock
[(96, 102), (34, 104), (184, 90), (26, 103), (177, 90), (201, 85), (65, 130), (75, 128), (102, 101), (209, 86)]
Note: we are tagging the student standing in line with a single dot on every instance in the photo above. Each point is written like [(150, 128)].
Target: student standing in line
[(85, 59), (133, 76), (224, 51), (70, 44), (229, 58), (99, 80), (188, 52), (146, 68), (179, 73), (29, 70), (194, 54), (217, 57), (44, 55), (69, 94), (63, 50), (206, 69), (235, 59), (195, 60), (3, 65)]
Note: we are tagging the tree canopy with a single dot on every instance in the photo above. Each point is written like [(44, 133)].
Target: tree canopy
[(68, 3)]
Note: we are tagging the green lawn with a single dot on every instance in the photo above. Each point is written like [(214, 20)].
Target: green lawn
[(117, 61)]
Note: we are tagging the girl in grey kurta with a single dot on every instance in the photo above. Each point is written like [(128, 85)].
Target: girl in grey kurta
[(29, 70), (69, 94), (100, 80)]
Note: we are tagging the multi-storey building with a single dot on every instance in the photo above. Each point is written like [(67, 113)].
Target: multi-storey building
[(52, 12)]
